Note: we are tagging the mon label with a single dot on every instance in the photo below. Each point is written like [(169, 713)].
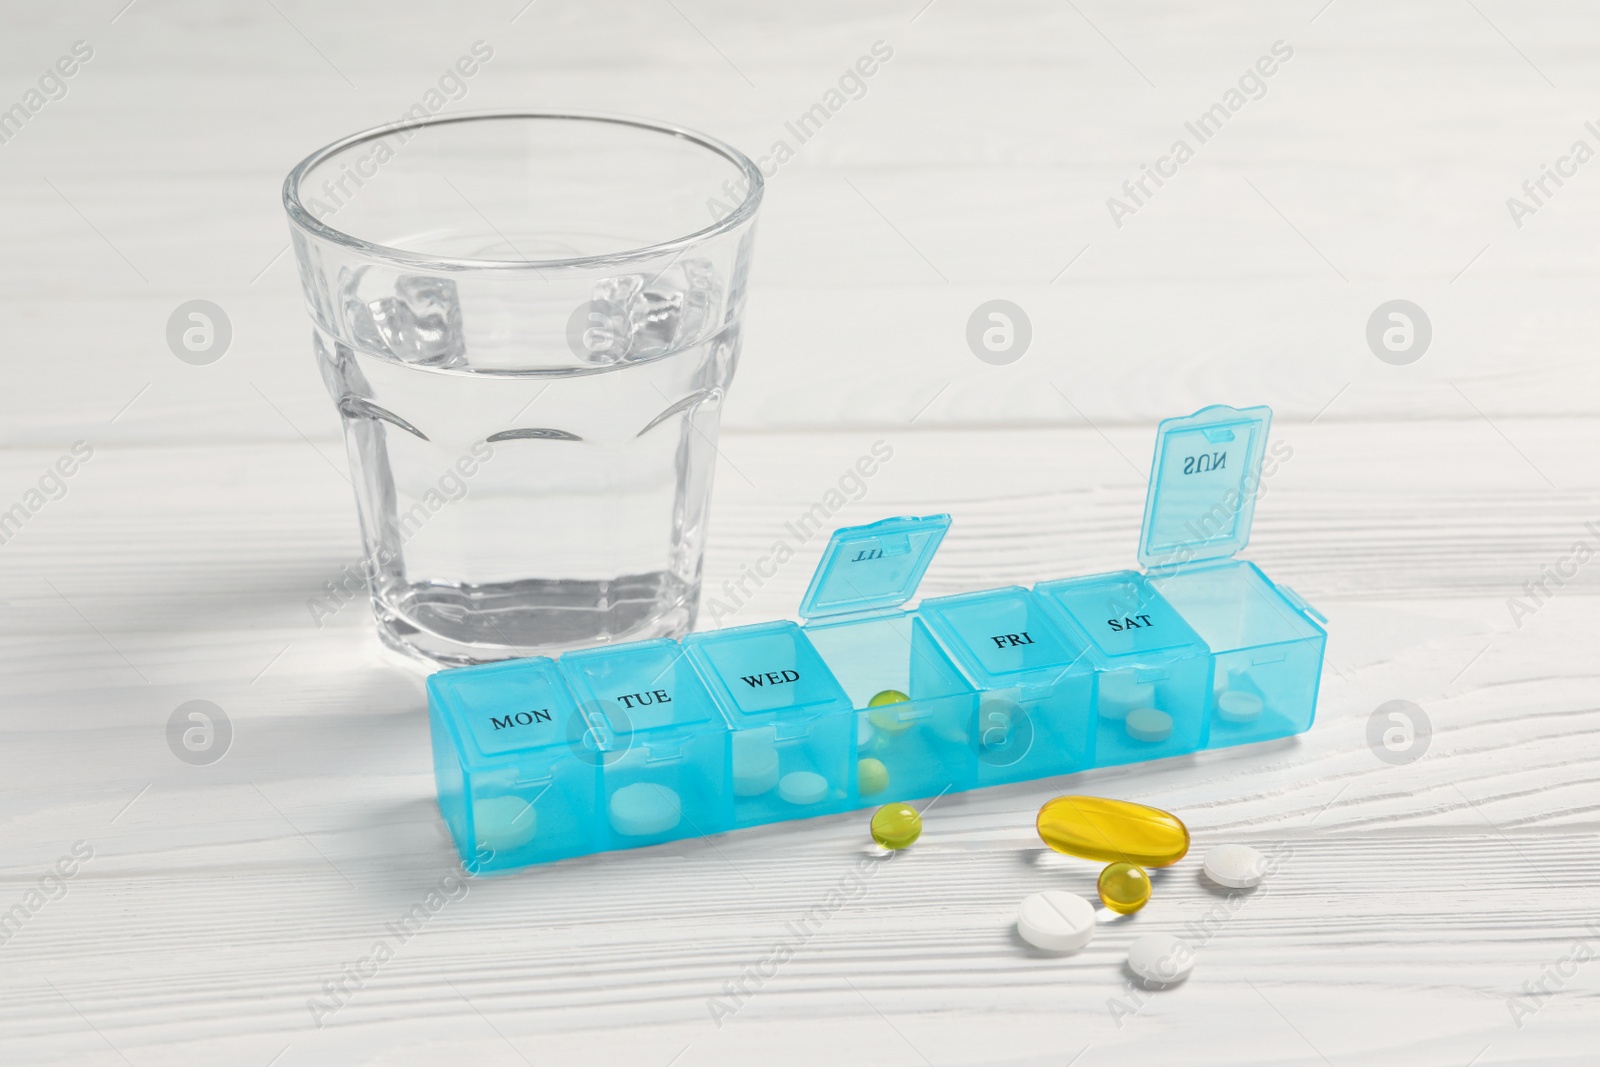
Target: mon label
[(519, 718)]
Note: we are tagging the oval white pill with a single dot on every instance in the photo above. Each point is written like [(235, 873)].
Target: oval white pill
[(1148, 724), (1160, 959), (644, 808), (1235, 705), (1056, 921), (504, 823), (1235, 866), (755, 767), (803, 787)]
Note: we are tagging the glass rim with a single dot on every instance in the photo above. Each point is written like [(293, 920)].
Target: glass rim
[(301, 217)]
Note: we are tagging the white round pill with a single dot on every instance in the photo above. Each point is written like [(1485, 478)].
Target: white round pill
[(1056, 921), (1235, 866), (504, 823), (1148, 724), (755, 766), (1236, 705), (644, 808), (1120, 694), (803, 787), (1160, 959)]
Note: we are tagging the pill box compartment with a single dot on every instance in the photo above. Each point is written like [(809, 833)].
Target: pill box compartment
[(1267, 643), (792, 727), (663, 745), (514, 764), (1035, 713), (634, 744), (1268, 649), (1153, 675), (925, 744)]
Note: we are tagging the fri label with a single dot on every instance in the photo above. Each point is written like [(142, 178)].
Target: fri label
[(1011, 640)]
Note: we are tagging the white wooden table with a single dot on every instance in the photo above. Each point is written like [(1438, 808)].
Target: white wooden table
[(1434, 912)]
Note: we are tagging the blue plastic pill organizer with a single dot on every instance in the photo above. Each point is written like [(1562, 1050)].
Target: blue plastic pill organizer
[(635, 744)]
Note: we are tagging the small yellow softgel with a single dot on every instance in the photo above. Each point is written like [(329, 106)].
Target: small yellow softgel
[(1098, 828), (1124, 887), (888, 721), (896, 826)]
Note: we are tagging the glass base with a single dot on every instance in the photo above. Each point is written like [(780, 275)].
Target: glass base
[(458, 625)]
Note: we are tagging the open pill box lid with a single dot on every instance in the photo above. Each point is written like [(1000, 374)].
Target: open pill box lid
[(876, 567), (1203, 484)]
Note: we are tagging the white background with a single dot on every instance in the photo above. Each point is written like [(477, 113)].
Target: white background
[(1419, 902)]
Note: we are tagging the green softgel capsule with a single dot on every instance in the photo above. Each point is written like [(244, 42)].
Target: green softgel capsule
[(896, 826)]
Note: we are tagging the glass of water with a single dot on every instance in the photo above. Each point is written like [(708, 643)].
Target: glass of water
[(528, 323)]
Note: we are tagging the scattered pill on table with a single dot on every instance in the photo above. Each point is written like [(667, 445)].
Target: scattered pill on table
[(1160, 959), (803, 787), (896, 826), (1235, 866), (872, 777), (1237, 706), (1148, 724), (1056, 921), (1124, 887), (1099, 828), (644, 808)]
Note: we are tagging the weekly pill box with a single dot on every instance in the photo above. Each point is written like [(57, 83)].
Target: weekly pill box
[(635, 744)]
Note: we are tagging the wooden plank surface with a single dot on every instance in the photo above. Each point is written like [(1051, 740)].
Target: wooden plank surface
[(1437, 912)]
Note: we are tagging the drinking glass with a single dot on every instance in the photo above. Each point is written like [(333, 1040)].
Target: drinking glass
[(528, 323)]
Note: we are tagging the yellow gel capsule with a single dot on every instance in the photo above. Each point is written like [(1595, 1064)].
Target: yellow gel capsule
[(872, 777), (1097, 828), (888, 721), (1124, 888), (896, 826)]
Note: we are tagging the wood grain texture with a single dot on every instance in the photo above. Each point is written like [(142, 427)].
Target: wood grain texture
[(1411, 900), (1414, 907)]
